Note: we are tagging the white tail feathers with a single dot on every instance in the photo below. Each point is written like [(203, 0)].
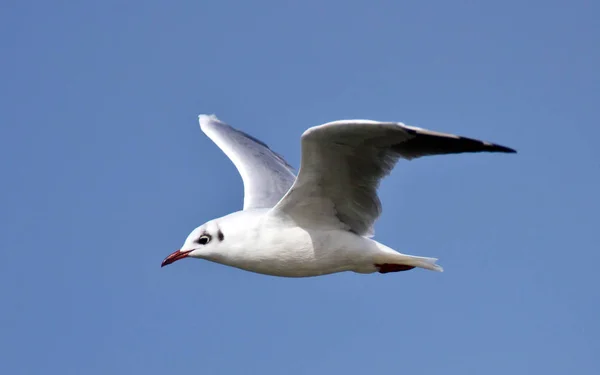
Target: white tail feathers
[(391, 256), (424, 262)]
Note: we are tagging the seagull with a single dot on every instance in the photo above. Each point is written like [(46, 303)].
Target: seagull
[(320, 222)]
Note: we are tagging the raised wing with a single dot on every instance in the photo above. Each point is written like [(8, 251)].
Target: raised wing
[(266, 175), (344, 161)]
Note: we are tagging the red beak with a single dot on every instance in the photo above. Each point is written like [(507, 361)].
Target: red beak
[(174, 257)]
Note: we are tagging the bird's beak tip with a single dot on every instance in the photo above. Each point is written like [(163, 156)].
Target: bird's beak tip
[(173, 257)]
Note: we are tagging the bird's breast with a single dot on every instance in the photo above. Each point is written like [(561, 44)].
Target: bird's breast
[(296, 252)]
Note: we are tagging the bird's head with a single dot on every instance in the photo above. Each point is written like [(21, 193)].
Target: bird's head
[(204, 242)]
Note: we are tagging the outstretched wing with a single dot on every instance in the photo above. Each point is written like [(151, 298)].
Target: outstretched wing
[(266, 175), (344, 161)]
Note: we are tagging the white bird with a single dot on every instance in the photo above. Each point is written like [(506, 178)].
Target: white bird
[(320, 222)]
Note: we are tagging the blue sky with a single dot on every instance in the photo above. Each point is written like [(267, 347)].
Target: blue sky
[(105, 172)]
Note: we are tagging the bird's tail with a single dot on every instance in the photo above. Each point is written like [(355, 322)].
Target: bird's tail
[(422, 262), (391, 261)]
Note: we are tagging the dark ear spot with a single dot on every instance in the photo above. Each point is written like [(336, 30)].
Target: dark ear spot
[(221, 236)]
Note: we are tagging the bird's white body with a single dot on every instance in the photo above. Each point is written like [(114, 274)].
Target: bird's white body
[(270, 245), (260, 242), (320, 222)]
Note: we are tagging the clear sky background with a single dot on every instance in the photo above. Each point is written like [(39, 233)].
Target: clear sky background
[(105, 171)]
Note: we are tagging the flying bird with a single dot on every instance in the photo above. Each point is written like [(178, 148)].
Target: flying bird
[(320, 222)]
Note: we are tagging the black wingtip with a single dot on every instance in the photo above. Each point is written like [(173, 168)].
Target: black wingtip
[(499, 148)]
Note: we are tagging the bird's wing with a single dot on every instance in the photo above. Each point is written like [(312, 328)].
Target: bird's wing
[(266, 175), (344, 161)]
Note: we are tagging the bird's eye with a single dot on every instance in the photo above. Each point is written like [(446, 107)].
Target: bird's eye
[(204, 239)]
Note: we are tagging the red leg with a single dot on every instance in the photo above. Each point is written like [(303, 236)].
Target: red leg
[(389, 267)]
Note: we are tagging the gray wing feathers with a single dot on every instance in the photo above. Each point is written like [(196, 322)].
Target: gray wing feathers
[(266, 175), (343, 163)]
